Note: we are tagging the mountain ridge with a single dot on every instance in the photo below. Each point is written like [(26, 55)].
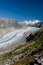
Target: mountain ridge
[(8, 23)]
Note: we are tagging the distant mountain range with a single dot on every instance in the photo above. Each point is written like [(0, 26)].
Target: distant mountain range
[(34, 23), (8, 23)]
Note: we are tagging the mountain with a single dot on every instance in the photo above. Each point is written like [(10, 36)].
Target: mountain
[(20, 41), (8, 23), (32, 23)]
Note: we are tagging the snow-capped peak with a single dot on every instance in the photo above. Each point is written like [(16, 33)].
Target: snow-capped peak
[(31, 21)]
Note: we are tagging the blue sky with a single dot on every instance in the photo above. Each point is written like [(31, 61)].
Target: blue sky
[(22, 9)]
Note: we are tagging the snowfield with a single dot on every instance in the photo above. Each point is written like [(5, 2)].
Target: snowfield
[(13, 37)]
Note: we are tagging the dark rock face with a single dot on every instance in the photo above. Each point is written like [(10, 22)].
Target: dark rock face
[(28, 38)]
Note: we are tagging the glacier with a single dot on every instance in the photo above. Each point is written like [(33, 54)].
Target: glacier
[(13, 37)]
